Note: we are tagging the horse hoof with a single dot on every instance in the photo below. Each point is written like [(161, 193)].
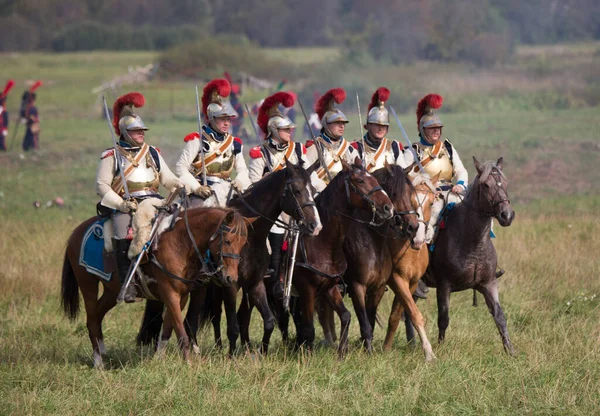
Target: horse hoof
[(196, 349)]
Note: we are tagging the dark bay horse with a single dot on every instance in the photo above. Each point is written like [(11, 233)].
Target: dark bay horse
[(288, 190), (222, 231), (321, 259), (464, 256), (373, 252)]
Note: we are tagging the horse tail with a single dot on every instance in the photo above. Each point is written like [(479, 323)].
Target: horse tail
[(69, 290), (151, 323)]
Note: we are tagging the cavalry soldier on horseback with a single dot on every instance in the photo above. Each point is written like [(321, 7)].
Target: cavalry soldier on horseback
[(271, 157), (437, 156), (222, 151), (379, 149), (31, 118), (4, 114), (144, 169), (331, 140)]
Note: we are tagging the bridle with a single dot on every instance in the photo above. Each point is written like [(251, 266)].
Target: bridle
[(299, 208), (350, 187), (496, 199)]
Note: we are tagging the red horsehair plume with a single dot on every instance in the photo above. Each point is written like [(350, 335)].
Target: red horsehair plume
[(8, 87), (430, 101), (219, 86), (35, 86), (134, 99), (325, 103), (270, 106), (382, 94)]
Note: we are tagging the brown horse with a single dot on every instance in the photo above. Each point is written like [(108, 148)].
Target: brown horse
[(222, 231), (373, 253), (464, 256), (409, 264), (322, 261), (288, 190)]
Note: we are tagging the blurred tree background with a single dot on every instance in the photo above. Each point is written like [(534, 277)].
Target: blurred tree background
[(483, 32)]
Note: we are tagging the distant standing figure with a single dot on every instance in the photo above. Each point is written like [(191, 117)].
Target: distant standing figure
[(31, 118), (4, 114)]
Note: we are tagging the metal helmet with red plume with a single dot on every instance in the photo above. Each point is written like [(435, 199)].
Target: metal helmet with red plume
[(270, 119), (327, 111), (124, 116), (214, 100), (425, 115), (378, 114)]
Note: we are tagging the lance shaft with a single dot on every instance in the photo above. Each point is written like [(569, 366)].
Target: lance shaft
[(417, 161), (290, 271), (317, 144), (118, 154), (201, 137), (362, 133)]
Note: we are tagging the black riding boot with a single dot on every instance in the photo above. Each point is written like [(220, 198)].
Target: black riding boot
[(422, 290), (274, 283), (123, 263)]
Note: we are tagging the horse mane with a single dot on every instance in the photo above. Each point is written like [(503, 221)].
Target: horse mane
[(258, 189), (239, 225), (423, 178), (392, 179), (324, 200)]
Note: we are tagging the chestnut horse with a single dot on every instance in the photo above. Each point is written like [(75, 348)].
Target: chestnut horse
[(321, 259), (464, 256), (288, 190), (222, 231), (410, 262)]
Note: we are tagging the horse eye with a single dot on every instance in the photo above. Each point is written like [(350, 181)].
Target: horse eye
[(360, 181), (487, 185), (296, 192), (227, 242)]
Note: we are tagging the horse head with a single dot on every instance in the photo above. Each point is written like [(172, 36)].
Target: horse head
[(492, 194), (364, 192), (226, 244), (297, 198), (423, 199)]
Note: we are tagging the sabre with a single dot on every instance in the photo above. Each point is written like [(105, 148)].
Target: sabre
[(118, 154), (290, 272), (362, 134), (256, 134), (319, 150), (417, 161), (201, 139), (133, 266)]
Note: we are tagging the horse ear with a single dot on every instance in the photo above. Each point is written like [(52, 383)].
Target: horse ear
[(313, 167), (436, 178), (388, 167), (477, 165), (229, 217), (499, 163), (251, 220), (408, 169), (358, 162), (345, 165), (289, 164)]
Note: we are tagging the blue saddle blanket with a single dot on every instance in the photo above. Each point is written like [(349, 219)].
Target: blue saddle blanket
[(92, 248)]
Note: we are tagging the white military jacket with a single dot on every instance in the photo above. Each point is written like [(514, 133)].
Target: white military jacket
[(378, 153), (441, 157), (271, 157), (221, 155), (144, 169), (333, 153)]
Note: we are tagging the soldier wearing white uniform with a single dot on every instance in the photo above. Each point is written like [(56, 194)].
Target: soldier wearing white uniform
[(379, 148), (222, 152), (271, 157), (331, 140), (437, 156), (144, 170)]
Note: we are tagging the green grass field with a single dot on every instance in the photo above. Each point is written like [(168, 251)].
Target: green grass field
[(550, 292)]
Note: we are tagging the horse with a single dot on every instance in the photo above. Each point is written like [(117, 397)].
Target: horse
[(409, 264), (322, 260), (222, 231), (288, 190), (374, 252), (463, 256)]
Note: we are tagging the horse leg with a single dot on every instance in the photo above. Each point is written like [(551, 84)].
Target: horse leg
[(416, 317), (409, 328), (474, 298), (151, 323), (443, 304), (490, 293), (258, 297), (393, 321), (326, 319), (217, 312), (174, 303), (243, 315), (306, 333), (373, 301), (233, 326), (358, 295), (89, 290), (337, 302)]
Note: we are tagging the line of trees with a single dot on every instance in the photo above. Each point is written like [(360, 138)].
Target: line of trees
[(482, 31)]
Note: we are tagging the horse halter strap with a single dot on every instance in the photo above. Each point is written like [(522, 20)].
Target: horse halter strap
[(495, 201), (366, 197), (299, 207)]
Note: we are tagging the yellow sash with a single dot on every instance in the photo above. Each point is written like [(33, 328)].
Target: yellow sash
[(336, 158), (210, 158)]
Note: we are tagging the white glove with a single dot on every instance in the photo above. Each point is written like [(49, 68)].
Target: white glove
[(127, 206), (237, 186), (203, 191)]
